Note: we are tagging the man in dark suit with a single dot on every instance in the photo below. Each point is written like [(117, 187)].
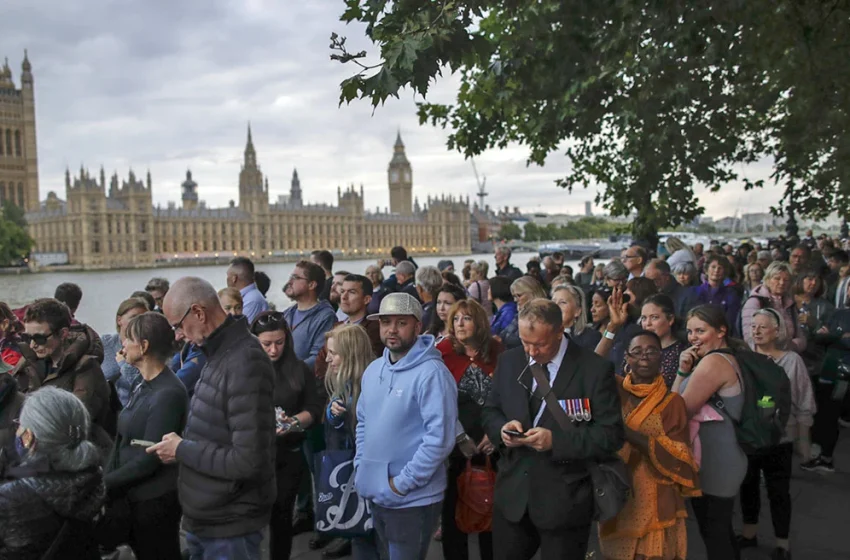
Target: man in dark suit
[(543, 497)]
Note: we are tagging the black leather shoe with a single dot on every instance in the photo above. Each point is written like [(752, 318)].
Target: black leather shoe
[(319, 541), (743, 542), (302, 523), (339, 548)]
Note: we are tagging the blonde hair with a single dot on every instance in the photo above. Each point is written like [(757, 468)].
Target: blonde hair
[(480, 268), (578, 297), (128, 305), (232, 293), (528, 285), (353, 344)]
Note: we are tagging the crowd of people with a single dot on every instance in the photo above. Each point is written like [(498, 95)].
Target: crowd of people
[(204, 412)]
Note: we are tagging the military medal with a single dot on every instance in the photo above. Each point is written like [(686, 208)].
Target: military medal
[(586, 411)]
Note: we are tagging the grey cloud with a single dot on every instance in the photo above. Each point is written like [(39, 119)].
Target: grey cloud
[(171, 85)]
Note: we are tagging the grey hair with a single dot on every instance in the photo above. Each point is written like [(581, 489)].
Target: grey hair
[(779, 320), (615, 270), (60, 424), (686, 267), (580, 300), (406, 268), (764, 255), (190, 290), (505, 250), (430, 279)]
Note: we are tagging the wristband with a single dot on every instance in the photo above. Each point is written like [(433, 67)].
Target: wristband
[(609, 335), (683, 375)]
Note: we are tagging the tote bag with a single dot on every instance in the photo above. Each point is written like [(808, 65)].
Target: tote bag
[(340, 512)]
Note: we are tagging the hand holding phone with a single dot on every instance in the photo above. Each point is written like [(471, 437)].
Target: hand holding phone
[(514, 433), (142, 443)]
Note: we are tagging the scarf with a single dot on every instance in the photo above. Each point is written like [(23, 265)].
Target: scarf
[(652, 394)]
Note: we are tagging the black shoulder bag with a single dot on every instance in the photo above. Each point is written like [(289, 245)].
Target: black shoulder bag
[(610, 477)]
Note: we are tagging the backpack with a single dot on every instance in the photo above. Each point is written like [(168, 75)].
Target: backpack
[(763, 302), (767, 401)]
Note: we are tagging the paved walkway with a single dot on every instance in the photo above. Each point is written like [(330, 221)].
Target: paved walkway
[(819, 526)]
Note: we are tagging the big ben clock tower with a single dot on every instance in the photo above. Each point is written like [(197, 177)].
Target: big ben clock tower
[(400, 180)]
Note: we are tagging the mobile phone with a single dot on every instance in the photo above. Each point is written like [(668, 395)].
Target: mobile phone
[(141, 443), (514, 433)]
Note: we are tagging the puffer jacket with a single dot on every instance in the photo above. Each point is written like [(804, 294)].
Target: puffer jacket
[(35, 505), (227, 457), (77, 371)]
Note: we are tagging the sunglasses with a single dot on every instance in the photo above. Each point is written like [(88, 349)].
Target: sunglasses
[(273, 320), (39, 339)]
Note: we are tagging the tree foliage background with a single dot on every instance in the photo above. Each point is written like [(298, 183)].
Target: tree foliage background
[(15, 243), (648, 100)]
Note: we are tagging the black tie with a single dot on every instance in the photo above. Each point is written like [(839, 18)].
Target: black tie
[(535, 399)]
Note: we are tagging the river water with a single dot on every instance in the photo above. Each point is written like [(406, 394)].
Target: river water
[(104, 290)]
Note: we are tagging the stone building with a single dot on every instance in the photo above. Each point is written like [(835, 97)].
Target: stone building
[(18, 157), (101, 225)]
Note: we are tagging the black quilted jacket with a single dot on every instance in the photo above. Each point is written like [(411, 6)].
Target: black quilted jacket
[(227, 479), (34, 507)]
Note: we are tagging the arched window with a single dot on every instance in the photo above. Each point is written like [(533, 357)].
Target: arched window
[(2, 192), (18, 143), (21, 195), (8, 142), (1, 143)]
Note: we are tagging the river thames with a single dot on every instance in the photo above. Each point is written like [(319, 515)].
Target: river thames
[(103, 290)]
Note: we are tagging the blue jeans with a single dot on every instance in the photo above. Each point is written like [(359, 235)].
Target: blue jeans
[(243, 547), (405, 534)]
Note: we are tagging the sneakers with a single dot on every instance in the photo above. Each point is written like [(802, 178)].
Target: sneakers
[(780, 554), (743, 542), (818, 465)]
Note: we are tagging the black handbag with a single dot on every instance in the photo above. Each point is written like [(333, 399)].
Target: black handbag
[(611, 487), (610, 477)]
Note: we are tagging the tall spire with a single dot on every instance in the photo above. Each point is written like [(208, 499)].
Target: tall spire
[(26, 70), (250, 153), (398, 142), (295, 199)]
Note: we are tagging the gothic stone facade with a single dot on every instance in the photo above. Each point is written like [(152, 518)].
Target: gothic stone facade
[(18, 158), (102, 225)]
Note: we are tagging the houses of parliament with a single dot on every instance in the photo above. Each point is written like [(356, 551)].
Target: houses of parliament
[(112, 223)]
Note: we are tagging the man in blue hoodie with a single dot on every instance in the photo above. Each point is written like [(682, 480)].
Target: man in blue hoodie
[(406, 419), (309, 319)]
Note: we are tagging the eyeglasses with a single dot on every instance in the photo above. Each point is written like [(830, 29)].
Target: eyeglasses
[(39, 339), (296, 277), (523, 385), (179, 325), (627, 257), (639, 353)]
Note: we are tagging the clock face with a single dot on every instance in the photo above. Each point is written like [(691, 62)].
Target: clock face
[(407, 176), (394, 175)]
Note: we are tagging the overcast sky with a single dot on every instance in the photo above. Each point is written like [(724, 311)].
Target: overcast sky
[(167, 86)]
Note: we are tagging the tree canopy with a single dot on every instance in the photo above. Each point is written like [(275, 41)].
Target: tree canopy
[(648, 100), (15, 243)]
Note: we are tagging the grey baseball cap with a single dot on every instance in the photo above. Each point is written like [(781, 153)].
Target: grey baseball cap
[(399, 303)]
